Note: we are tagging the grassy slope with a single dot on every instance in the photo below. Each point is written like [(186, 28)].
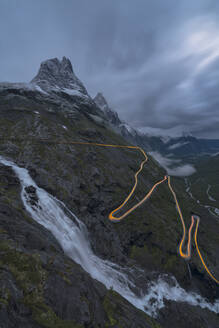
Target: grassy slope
[(59, 168), (151, 234), (153, 230)]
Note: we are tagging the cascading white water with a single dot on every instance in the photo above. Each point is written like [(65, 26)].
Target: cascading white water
[(73, 237)]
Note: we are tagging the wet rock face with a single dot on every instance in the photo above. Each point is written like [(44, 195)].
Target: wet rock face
[(30, 190), (32, 196), (39, 285), (176, 314)]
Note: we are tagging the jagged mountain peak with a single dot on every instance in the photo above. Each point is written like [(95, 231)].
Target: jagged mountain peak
[(110, 114), (54, 67), (55, 73), (101, 101), (66, 64)]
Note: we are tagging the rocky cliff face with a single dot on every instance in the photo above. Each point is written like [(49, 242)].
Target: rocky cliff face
[(55, 74), (111, 115), (55, 88), (40, 285)]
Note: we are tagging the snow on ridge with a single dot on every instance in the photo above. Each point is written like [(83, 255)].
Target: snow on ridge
[(25, 86), (165, 139), (215, 154), (18, 85), (128, 128), (104, 108), (37, 87), (73, 92), (178, 145)]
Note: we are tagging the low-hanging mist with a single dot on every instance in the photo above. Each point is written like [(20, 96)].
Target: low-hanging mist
[(173, 166)]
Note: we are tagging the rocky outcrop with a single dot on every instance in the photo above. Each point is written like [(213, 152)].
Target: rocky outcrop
[(111, 115), (40, 286), (55, 88), (59, 75)]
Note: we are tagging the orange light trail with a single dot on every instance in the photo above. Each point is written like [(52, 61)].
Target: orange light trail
[(111, 216), (199, 253), (186, 255)]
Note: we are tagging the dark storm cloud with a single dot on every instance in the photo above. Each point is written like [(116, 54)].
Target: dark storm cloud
[(157, 62)]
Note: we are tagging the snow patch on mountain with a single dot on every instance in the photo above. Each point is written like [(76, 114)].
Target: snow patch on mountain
[(37, 87), (71, 92), (110, 114), (55, 74), (178, 145), (128, 128)]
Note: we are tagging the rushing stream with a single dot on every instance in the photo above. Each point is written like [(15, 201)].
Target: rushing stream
[(73, 237)]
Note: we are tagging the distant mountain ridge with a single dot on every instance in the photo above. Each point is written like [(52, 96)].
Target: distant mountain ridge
[(183, 146)]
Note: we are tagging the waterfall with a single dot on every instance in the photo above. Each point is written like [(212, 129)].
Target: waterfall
[(73, 237)]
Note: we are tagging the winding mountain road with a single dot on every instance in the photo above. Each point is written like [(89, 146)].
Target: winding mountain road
[(113, 218), (186, 255)]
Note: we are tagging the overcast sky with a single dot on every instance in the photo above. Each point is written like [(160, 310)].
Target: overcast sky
[(156, 61)]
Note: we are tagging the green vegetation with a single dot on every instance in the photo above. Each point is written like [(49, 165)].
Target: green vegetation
[(78, 175), (30, 277), (114, 306), (4, 296)]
